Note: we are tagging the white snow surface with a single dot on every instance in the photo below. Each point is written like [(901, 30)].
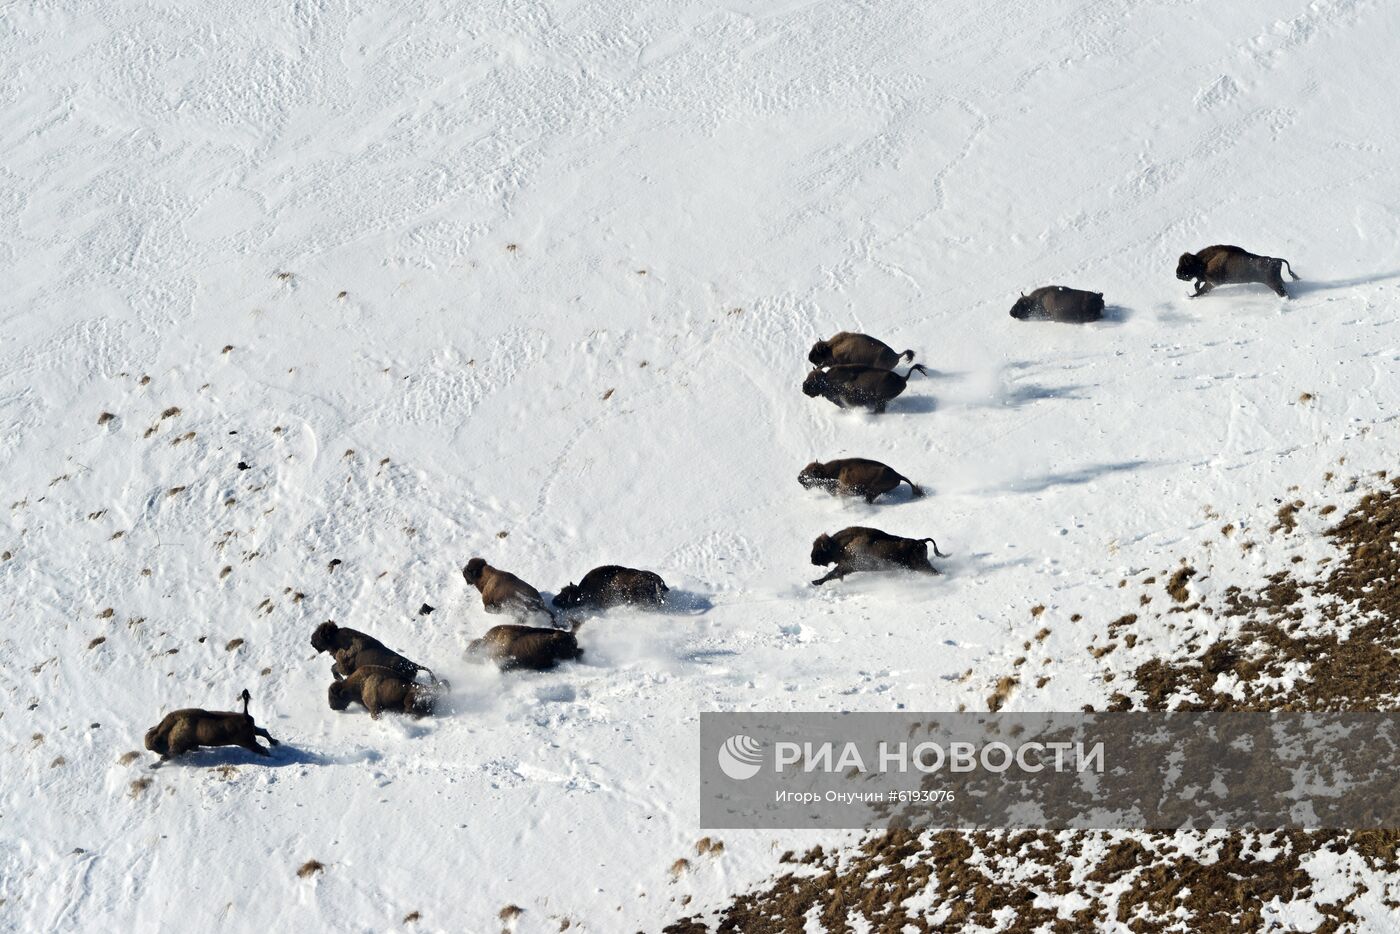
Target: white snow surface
[(584, 249)]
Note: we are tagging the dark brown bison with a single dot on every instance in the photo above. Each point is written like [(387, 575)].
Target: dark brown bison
[(353, 650), (612, 585), (858, 350), (380, 689), (1059, 303), (1228, 265), (503, 592), (854, 476), (525, 647), (865, 387), (861, 549), (187, 729)]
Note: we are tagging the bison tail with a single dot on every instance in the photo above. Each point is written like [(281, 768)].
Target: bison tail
[(913, 488), (1290, 269), (936, 552), (907, 356), (919, 367)]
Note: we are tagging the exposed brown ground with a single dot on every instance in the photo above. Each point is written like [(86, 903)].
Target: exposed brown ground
[(1347, 645)]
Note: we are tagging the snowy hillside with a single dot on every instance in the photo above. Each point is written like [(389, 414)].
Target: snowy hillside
[(537, 283)]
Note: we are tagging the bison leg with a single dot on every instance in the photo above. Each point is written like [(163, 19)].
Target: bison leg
[(835, 573), (252, 745), (259, 731), (1276, 283), (1202, 288)]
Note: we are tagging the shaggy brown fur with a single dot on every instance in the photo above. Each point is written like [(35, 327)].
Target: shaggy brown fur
[(861, 549), (1059, 303), (858, 386), (353, 649), (187, 729), (857, 350), (380, 689), (1227, 265), (328, 637), (611, 585), (854, 476), (503, 592), (525, 647)]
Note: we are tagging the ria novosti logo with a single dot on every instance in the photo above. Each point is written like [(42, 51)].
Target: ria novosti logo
[(741, 757)]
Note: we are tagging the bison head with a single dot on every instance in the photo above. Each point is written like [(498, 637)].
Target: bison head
[(815, 384), (323, 636), (472, 572), (824, 550), (337, 696), (1024, 309), (157, 742), (419, 700), (814, 474), (1190, 267), (568, 597), (820, 354)]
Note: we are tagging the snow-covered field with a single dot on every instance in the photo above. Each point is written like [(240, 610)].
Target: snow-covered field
[(536, 282)]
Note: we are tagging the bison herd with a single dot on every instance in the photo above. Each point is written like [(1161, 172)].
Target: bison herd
[(850, 370)]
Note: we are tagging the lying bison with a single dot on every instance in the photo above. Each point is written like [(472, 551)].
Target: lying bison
[(1229, 265), (503, 592), (525, 647), (863, 387), (854, 476), (1059, 303), (848, 348), (187, 729), (861, 549), (379, 689), (610, 586), (353, 650)]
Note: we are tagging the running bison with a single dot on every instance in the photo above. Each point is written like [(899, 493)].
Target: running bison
[(379, 689), (1059, 303), (525, 647), (503, 592), (854, 476), (1229, 265), (187, 729), (610, 586), (353, 650), (859, 387), (858, 350), (861, 549)]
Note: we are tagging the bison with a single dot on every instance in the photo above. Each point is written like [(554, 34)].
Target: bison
[(1226, 265), (1059, 303), (352, 650), (503, 592), (861, 549), (854, 476), (858, 350), (187, 729), (379, 689), (525, 647), (610, 586), (850, 386)]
